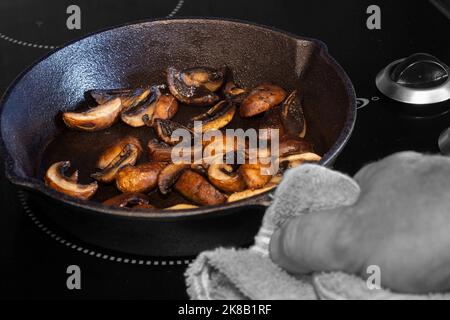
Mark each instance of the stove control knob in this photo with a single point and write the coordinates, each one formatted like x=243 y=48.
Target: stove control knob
x=420 y=70
x=418 y=79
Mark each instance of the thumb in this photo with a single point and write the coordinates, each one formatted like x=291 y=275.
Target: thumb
x=312 y=242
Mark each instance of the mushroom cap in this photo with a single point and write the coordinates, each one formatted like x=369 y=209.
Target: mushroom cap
x=189 y=89
x=56 y=179
x=225 y=179
x=95 y=119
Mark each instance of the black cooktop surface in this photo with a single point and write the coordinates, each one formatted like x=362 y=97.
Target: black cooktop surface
x=34 y=255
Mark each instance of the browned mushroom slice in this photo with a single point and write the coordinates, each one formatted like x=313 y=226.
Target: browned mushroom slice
x=136 y=98
x=292 y=115
x=210 y=112
x=261 y=99
x=169 y=175
x=198 y=190
x=102 y=96
x=208 y=78
x=129 y=97
x=272 y=121
x=56 y=179
x=113 y=151
x=295 y=160
x=128 y=156
x=165 y=128
x=159 y=151
x=156 y=106
x=195 y=86
x=223 y=177
x=249 y=193
x=133 y=116
x=141 y=178
x=182 y=206
x=165 y=108
x=234 y=92
x=126 y=200
x=95 y=119
x=293 y=145
x=218 y=116
x=256 y=175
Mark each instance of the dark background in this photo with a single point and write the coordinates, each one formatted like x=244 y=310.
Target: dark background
x=33 y=265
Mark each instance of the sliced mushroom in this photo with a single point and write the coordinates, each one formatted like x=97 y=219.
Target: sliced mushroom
x=165 y=128
x=156 y=106
x=218 y=116
x=102 y=96
x=195 y=86
x=136 y=98
x=210 y=112
x=56 y=179
x=208 y=78
x=169 y=175
x=292 y=115
x=261 y=99
x=140 y=178
x=294 y=145
x=272 y=121
x=248 y=193
x=95 y=119
x=295 y=160
x=128 y=156
x=165 y=108
x=234 y=92
x=182 y=206
x=256 y=175
x=126 y=200
x=159 y=151
x=133 y=115
x=113 y=151
x=128 y=97
x=197 y=189
x=224 y=178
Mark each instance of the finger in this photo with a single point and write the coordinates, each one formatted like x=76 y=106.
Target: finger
x=312 y=242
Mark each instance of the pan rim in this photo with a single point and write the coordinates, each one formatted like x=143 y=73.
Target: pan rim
x=35 y=184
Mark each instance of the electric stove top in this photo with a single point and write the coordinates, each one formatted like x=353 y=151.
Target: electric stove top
x=34 y=255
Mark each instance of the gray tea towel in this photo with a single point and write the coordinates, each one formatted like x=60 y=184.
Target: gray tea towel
x=250 y=274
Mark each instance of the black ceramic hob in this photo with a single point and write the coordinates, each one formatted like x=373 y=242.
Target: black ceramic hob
x=34 y=255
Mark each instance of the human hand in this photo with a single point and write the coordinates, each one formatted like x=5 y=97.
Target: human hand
x=400 y=223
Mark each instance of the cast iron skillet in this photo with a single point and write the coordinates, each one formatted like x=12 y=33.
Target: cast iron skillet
x=134 y=55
